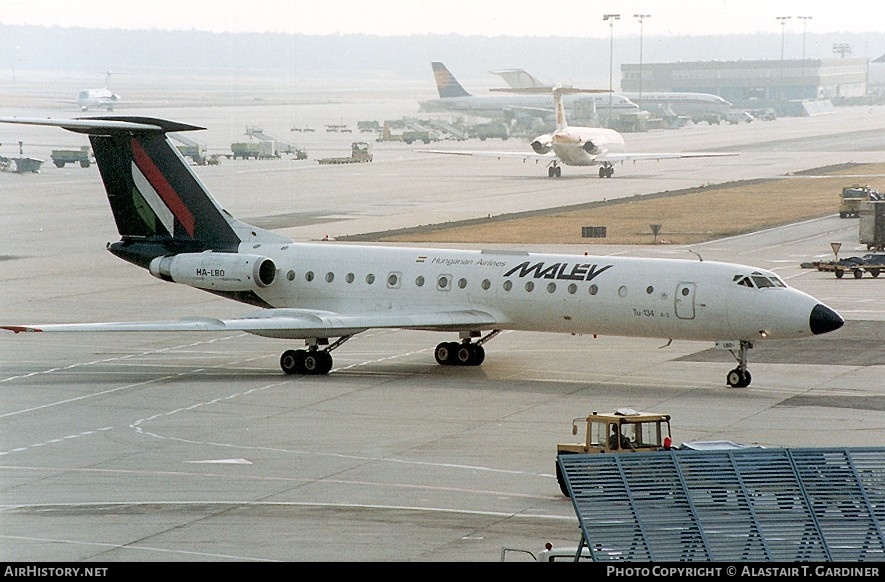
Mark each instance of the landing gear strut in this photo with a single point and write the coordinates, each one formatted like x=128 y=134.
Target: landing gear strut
x=312 y=361
x=465 y=353
x=740 y=377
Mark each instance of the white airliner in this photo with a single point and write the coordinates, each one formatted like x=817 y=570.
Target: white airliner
x=325 y=293
x=577 y=146
x=698 y=106
x=102 y=98
x=454 y=98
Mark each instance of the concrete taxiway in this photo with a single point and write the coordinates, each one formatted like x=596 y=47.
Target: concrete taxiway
x=196 y=447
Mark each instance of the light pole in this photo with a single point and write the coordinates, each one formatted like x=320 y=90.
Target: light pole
x=611 y=45
x=783 y=20
x=640 y=17
x=804 y=20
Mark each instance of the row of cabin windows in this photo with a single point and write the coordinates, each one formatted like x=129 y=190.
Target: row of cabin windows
x=443 y=283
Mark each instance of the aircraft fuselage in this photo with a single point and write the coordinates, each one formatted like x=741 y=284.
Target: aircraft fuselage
x=639 y=297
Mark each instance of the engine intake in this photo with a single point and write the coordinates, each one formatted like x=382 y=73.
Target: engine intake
x=590 y=147
x=216 y=271
x=542 y=144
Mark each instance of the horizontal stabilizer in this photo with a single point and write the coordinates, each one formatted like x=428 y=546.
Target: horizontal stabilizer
x=106 y=125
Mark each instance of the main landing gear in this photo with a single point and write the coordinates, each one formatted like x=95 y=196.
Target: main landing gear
x=465 y=353
x=740 y=377
x=318 y=362
x=606 y=170
x=312 y=361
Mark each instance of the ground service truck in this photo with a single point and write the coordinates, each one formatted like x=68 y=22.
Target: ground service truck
x=359 y=152
x=622 y=431
x=851 y=198
x=871 y=227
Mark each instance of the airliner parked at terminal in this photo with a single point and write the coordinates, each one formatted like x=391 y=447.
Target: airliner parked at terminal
x=325 y=293
x=698 y=106
x=454 y=98
x=577 y=146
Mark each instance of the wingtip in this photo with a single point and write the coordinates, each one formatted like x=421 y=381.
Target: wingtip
x=20 y=328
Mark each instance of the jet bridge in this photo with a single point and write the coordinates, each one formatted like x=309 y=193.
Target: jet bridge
x=751 y=505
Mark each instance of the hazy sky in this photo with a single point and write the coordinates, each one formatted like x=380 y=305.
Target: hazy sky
x=581 y=18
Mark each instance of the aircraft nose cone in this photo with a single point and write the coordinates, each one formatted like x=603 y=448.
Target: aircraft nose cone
x=824 y=320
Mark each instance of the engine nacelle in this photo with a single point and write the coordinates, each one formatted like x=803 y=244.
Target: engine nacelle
x=216 y=271
x=590 y=147
x=542 y=144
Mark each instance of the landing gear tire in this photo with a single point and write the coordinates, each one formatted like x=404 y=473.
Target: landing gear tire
x=445 y=353
x=292 y=361
x=738 y=378
x=303 y=362
x=470 y=355
x=554 y=172
x=455 y=354
x=317 y=363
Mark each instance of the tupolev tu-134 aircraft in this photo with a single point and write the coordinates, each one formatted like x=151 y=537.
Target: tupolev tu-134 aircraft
x=325 y=293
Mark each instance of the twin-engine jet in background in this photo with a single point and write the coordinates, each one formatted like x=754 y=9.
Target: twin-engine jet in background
x=325 y=293
x=102 y=98
x=577 y=146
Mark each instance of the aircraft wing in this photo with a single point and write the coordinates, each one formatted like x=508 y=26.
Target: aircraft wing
x=290 y=323
x=490 y=154
x=632 y=157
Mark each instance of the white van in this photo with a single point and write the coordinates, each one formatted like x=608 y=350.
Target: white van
x=739 y=117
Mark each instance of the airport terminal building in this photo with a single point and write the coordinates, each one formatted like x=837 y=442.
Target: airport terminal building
x=754 y=83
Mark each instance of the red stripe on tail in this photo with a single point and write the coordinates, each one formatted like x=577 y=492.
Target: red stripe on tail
x=156 y=179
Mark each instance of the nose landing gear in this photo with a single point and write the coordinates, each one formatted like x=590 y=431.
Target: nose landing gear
x=740 y=377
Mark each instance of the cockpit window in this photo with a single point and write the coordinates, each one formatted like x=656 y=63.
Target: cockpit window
x=762 y=282
x=759 y=281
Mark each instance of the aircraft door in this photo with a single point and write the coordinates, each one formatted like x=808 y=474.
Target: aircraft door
x=685 y=300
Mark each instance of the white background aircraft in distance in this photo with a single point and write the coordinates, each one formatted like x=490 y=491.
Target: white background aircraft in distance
x=102 y=98
x=577 y=146
x=325 y=293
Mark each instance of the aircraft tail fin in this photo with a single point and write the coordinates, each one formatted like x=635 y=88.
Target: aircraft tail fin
x=520 y=79
x=159 y=205
x=446 y=83
x=559 y=107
